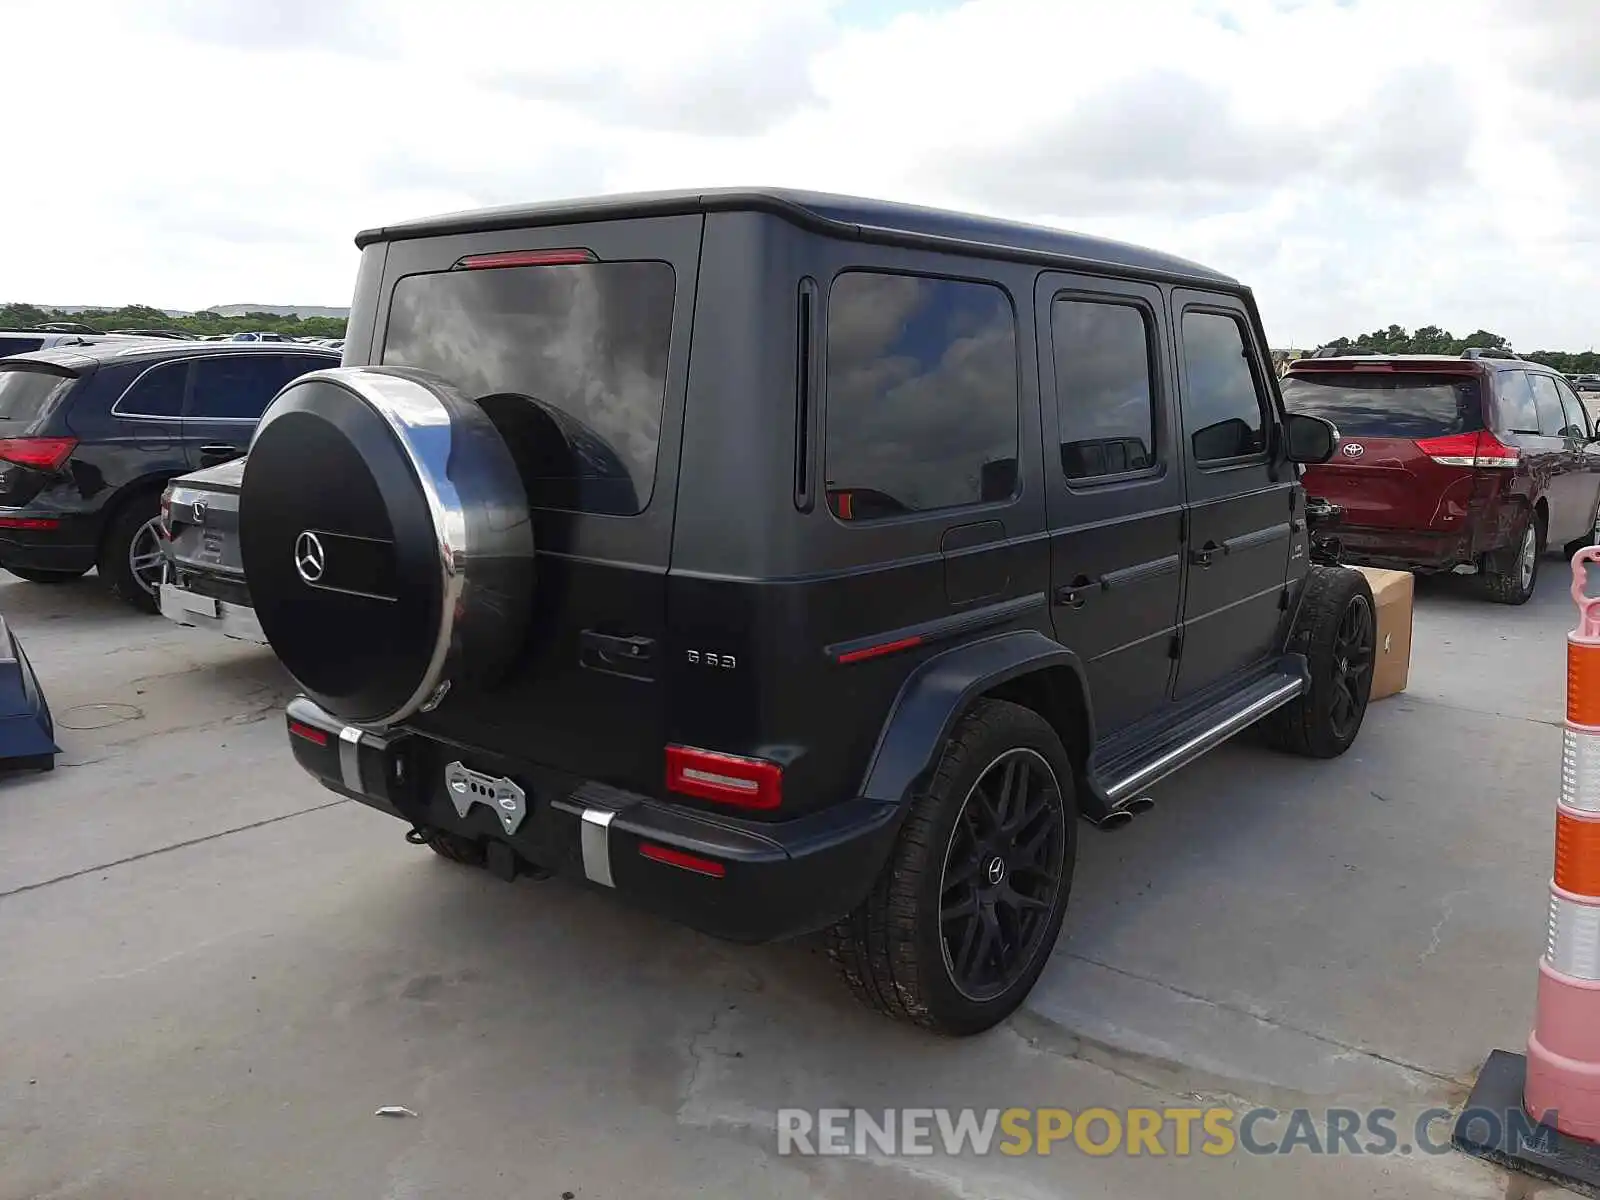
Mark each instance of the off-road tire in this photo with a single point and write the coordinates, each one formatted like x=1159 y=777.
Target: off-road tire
x=889 y=950
x=467 y=851
x=37 y=575
x=1506 y=586
x=113 y=562
x=1306 y=725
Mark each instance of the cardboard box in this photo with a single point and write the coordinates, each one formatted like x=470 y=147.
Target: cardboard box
x=1392 y=593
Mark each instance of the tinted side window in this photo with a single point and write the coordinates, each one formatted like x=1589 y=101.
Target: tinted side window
x=296 y=365
x=1518 y=414
x=157 y=393
x=1577 y=415
x=1102 y=360
x=922 y=395
x=1222 y=410
x=1547 y=402
x=237 y=387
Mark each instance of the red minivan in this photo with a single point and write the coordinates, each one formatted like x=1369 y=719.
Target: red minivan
x=1475 y=463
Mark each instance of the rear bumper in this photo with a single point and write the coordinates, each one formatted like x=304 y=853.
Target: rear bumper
x=204 y=612
x=1404 y=549
x=778 y=880
x=71 y=545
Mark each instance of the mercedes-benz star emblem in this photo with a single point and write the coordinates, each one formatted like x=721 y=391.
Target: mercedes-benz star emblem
x=996 y=872
x=1353 y=450
x=309 y=557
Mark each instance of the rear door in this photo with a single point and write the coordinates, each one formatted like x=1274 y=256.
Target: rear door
x=226 y=396
x=1585 y=452
x=1408 y=440
x=1569 y=494
x=1240 y=502
x=575 y=340
x=1114 y=488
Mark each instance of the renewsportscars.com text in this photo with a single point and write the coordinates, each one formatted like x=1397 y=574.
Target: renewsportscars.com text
x=1177 y=1132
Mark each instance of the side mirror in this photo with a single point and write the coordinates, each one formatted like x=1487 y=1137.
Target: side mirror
x=1309 y=439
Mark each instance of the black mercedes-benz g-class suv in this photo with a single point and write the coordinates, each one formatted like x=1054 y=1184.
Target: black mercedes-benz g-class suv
x=791 y=563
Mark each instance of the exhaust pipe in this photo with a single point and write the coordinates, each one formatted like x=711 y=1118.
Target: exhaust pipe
x=1122 y=817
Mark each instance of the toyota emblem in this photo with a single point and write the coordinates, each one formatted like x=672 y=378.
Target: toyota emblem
x=1352 y=450
x=309 y=557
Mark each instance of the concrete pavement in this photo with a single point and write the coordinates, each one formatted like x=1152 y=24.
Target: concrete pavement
x=212 y=971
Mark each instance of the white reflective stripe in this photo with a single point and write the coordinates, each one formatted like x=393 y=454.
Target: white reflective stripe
x=1573 y=945
x=594 y=839
x=350 y=758
x=1580 y=768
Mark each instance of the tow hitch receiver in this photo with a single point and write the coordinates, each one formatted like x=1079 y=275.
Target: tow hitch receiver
x=468 y=787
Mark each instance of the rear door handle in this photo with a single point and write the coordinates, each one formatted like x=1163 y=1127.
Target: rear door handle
x=1078 y=593
x=1204 y=555
x=615 y=649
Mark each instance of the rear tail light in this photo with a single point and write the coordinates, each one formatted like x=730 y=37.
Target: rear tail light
x=1481 y=449
x=44 y=454
x=725 y=778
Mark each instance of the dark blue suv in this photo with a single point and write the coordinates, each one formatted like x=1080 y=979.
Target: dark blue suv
x=89 y=437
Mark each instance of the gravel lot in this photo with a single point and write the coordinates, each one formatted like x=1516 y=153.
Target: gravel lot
x=212 y=971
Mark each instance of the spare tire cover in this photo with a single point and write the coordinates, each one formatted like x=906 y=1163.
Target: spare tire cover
x=386 y=541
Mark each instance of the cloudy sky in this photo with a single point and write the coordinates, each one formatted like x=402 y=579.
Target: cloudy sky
x=1358 y=162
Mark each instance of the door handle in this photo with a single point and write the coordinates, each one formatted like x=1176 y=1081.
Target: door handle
x=214 y=453
x=1205 y=554
x=616 y=649
x=1077 y=593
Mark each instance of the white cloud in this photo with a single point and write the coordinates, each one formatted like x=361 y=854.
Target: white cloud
x=1356 y=162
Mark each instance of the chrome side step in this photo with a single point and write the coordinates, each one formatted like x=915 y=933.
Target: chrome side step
x=1127 y=776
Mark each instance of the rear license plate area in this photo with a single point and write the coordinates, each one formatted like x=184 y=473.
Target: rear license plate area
x=506 y=799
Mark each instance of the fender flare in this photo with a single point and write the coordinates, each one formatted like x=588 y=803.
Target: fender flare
x=934 y=696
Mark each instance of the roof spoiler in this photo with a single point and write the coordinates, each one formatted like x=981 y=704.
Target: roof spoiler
x=1488 y=352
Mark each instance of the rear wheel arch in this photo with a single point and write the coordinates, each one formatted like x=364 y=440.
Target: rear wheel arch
x=132 y=493
x=1059 y=695
x=1024 y=667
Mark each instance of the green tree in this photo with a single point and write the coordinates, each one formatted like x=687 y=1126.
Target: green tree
x=142 y=316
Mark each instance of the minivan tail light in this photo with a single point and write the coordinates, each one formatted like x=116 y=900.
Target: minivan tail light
x=1481 y=449
x=526 y=258
x=725 y=778
x=44 y=454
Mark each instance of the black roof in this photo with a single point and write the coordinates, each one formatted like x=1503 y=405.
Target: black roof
x=837 y=216
x=141 y=350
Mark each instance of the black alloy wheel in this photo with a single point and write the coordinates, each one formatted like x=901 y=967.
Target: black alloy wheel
x=1354 y=649
x=1004 y=869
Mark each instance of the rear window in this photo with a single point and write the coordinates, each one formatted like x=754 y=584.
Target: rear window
x=573 y=357
x=28 y=393
x=1399 y=405
x=19 y=345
